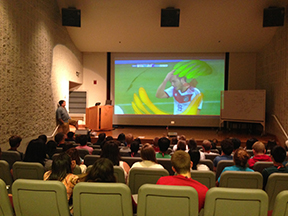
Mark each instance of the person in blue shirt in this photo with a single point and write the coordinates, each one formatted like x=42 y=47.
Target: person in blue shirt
x=240 y=158
x=227 y=149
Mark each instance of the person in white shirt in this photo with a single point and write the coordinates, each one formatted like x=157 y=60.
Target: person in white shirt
x=148 y=158
x=206 y=147
x=195 y=158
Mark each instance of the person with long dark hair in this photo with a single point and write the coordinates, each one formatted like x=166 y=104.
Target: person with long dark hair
x=62 y=171
x=110 y=150
x=195 y=158
x=101 y=171
x=36 y=152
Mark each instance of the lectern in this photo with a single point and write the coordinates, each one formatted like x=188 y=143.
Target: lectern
x=99 y=117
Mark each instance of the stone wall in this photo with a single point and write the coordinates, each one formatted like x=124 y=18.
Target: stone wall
x=29 y=31
x=272 y=75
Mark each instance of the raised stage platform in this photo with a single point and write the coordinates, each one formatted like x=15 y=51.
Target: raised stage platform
x=147 y=133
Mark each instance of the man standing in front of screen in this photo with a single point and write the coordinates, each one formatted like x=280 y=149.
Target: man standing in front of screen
x=63 y=118
x=182 y=92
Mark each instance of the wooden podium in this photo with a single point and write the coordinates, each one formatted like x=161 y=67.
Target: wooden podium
x=99 y=117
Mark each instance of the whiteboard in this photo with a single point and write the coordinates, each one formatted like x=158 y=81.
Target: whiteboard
x=243 y=105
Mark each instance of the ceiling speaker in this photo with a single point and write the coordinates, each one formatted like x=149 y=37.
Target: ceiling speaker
x=71 y=17
x=273 y=16
x=170 y=17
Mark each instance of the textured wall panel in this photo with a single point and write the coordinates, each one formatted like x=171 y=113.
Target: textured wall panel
x=29 y=31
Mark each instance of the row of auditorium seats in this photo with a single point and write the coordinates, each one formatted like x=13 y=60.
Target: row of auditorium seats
x=115 y=199
x=277 y=182
x=12 y=156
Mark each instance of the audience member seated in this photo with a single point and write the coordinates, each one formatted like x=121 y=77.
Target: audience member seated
x=227 y=149
x=50 y=148
x=174 y=141
x=195 y=158
x=108 y=138
x=103 y=171
x=121 y=139
x=270 y=145
x=148 y=158
x=60 y=139
x=206 y=147
x=181 y=165
x=192 y=145
x=110 y=150
x=43 y=137
x=250 y=142
x=67 y=146
x=129 y=139
x=164 y=144
x=14 y=142
x=83 y=144
x=259 y=154
x=101 y=140
x=240 y=160
x=137 y=140
x=278 y=156
x=183 y=138
x=70 y=137
x=126 y=149
x=62 y=171
x=236 y=143
x=76 y=160
x=156 y=145
x=181 y=145
x=214 y=143
x=134 y=149
x=35 y=152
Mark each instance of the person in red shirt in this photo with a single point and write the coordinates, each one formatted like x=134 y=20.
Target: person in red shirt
x=259 y=154
x=181 y=165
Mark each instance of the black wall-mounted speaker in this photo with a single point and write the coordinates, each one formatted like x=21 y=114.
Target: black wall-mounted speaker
x=170 y=17
x=71 y=17
x=273 y=16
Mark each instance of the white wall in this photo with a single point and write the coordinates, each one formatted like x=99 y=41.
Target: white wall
x=94 y=68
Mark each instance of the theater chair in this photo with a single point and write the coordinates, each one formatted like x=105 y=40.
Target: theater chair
x=211 y=156
x=236 y=202
x=166 y=163
x=90 y=159
x=131 y=160
x=139 y=176
x=238 y=179
x=281 y=204
x=83 y=152
x=28 y=170
x=5 y=174
x=96 y=151
x=38 y=197
x=221 y=165
x=204 y=177
x=164 y=200
x=118 y=172
x=260 y=165
x=11 y=157
x=208 y=163
x=5 y=205
x=95 y=198
x=276 y=183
